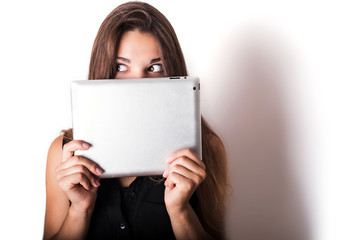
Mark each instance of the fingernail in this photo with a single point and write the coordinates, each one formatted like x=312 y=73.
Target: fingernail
x=164 y=173
x=85 y=145
x=99 y=171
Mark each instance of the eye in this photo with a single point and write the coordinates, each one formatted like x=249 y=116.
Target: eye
x=122 y=68
x=155 y=68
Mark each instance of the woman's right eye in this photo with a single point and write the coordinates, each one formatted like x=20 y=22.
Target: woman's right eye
x=122 y=68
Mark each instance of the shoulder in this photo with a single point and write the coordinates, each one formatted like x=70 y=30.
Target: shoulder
x=54 y=158
x=57 y=145
x=55 y=148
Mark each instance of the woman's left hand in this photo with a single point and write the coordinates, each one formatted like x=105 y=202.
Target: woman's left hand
x=184 y=174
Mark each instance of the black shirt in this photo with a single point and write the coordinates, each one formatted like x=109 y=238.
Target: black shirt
x=134 y=212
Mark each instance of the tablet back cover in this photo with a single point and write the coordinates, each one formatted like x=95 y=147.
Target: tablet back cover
x=134 y=125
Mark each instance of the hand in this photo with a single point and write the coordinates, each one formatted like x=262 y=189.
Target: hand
x=78 y=177
x=184 y=174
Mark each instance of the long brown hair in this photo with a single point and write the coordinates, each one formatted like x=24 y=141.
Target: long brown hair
x=212 y=193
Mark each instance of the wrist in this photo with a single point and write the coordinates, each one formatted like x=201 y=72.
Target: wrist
x=80 y=212
x=179 y=211
x=76 y=224
x=186 y=224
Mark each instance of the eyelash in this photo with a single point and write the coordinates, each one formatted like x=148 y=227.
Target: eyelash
x=118 y=67
x=149 y=69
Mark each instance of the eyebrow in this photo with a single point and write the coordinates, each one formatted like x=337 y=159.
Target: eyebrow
x=124 y=59
x=155 y=60
x=128 y=60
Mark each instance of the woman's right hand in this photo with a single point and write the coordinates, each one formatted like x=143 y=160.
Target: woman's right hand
x=77 y=176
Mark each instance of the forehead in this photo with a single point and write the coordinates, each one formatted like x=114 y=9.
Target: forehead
x=136 y=43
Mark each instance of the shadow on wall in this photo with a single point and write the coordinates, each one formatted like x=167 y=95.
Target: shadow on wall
x=250 y=113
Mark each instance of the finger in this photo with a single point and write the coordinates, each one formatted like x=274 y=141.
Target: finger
x=81 y=160
x=189 y=164
x=70 y=147
x=181 y=182
x=70 y=181
x=187 y=153
x=79 y=169
x=183 y=171
x=169 y=185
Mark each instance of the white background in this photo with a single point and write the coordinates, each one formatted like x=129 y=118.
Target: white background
x=44 y=45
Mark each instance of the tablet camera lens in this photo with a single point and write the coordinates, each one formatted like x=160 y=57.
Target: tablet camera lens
x=194 y=88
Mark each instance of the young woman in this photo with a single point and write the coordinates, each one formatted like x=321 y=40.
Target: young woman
x=187 y=202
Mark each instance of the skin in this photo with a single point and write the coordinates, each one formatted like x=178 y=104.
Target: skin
x=75 y=178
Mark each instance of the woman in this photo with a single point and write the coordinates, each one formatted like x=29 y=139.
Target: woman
x=187 y=202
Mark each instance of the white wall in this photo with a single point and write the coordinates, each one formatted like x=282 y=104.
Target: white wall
x=303 y=102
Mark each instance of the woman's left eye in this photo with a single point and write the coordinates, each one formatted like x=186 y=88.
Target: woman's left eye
x=155 y=68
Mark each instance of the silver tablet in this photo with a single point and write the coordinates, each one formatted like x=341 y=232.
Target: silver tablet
x=133 y=125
